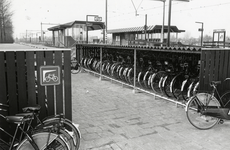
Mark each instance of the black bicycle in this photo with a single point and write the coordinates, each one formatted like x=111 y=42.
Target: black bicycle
x=64 y=133
x=38 y=139
x=204 y=110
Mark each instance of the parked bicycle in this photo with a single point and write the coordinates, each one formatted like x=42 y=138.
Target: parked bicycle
x=54 y=132
x=75 y=66
x=205 y=110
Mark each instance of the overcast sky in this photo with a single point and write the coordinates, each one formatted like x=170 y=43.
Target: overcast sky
x=28 y=14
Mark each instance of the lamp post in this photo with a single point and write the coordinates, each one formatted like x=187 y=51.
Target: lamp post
x=202 y=31
x=106 y=20
x=169 y=19
x=162 y=29
x=96 y=18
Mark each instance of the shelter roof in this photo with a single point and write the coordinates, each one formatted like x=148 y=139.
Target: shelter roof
x=92 y=25
x=150 y=29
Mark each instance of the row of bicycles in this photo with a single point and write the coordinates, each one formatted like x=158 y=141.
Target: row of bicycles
x=28 y=132
x=175 y=76
x=171 y=75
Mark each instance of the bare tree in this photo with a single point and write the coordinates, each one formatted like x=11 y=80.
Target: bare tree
x=6 y=27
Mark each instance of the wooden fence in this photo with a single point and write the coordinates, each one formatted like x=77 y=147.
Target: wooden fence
x=215 y=66
x=20 y=81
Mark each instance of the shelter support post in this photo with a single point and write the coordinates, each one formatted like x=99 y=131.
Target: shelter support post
x=100 y=78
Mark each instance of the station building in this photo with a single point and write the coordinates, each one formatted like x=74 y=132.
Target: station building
x=140 y=36
x=66 y=35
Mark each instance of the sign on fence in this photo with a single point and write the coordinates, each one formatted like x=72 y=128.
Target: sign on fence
x=49 y=75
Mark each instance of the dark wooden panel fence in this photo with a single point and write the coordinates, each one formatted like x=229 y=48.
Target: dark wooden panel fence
x=20 y=82
x=215 y=66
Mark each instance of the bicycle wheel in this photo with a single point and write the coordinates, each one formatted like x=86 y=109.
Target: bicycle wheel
x=75 y=68
x=225 y=98
x=44 y=141
x=145 y=79
x=66 y=125
x=175 y=86
x=194 y=111
x=131 y=76
x=140 y=79
x=60 y=131
x=166 y=85
x=157 y=80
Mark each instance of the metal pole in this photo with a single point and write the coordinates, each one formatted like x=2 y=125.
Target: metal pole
x=169 y=22
x=106 y=19
x=26 y=35
x=145 y=27
x=163 y=24
x=41 y=33
x=202 y=31
x=134 y=70
x=100 y=78
x=87 y=29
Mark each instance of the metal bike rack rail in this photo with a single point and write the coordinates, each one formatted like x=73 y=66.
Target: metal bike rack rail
x=134 y=87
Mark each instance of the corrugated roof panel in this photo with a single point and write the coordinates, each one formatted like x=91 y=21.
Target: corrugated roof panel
x=152 y=28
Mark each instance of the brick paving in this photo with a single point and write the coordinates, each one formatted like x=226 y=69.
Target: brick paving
x=112 y=117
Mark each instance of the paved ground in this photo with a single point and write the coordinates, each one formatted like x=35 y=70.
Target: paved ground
x=112 y=117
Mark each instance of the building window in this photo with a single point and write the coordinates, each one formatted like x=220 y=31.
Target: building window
x=117 y=38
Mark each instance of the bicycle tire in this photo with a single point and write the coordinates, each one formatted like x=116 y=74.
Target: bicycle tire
x=193 y=111
x=76 y=69
x=63 y=132
x=156 y=81
x=85 y=63
x=108 y=69
x=131 y=76
x=68 y=125
x=140 y=79
x=41 y=139
x=184 y=89
x=166 y=85
x=225 y=98
x=98 y=67
x=120 y=73
x=175 y=86
x=94 y=65
x=145 y=79
x=125 y=74
x=151 y=82
x=113 y=68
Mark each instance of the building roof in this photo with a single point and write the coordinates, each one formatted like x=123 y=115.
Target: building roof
x=92 y=25
x=150 y=29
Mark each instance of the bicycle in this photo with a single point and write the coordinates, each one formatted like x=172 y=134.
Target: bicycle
x=57 y=124
x=75 y=66
x=36 y=139
x=204 y=110
x=67 y=127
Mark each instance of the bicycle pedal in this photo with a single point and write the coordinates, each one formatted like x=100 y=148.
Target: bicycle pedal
x=221 y=121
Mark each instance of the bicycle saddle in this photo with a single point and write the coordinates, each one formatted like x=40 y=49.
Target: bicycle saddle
x=215 y=83
x=31 y=109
